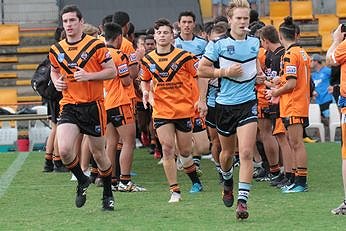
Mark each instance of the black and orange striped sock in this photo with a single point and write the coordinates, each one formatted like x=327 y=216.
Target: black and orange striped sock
x=191 y=172
x=294 y=175
x=48 y=156
x=114 y=181
x=174 y=188
x=302 y=174
x=274 y=169
x=125 y=179
x=57 y=161
x=107 y=181
x=75 y=168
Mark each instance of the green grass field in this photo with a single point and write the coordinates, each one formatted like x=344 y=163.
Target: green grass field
x=39 y=201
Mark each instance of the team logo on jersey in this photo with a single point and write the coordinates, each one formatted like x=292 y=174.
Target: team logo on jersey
x=152 y=68
x=174 y=66
x=123 y=68
x=98 y=129
x=230 y=49
x=291 y=70
x=178 y=46
x=254 y=109
x=61 y=57
x=84 y=55
x=133 y=57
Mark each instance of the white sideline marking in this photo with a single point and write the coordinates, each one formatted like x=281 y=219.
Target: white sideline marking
x=11 y=172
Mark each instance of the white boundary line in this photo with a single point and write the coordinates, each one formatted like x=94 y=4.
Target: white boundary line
x=11 y=172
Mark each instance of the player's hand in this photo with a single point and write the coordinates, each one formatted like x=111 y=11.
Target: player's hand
x=81 y=75
x=145 y=99
x=60 y=83
x=235 y=70
x=202 y=108
x=260 y=78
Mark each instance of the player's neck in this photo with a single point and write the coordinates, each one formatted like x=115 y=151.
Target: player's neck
x=186 y=37
x=238 y=36
x=163 y=49
x=75 y=38
x=274 y=46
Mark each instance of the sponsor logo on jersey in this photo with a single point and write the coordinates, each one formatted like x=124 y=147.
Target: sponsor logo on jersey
x=72 y=48
x=123 y=68
x=291 y=70
x=163 y=74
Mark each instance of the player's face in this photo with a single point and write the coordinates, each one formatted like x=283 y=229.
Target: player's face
x=239 y=21
x=149 y=44
x=186 y=25
x=163 y=36
x=264 y=43
x=72 y=24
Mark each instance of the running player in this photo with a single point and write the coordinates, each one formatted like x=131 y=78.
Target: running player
x=236 y=104
x=172 y=72
x=80 y=63
x=186 y=40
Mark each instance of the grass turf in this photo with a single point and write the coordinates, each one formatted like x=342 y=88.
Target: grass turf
x=45 y=201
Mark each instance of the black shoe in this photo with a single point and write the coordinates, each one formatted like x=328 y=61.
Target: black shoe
x=48 y=166
x=93 y=177
x=108 y=203
x=61 y=169
x=275 y=180
x=81 y=193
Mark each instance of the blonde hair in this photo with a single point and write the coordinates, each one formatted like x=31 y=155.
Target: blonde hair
x=90 y=29
x=237 y=4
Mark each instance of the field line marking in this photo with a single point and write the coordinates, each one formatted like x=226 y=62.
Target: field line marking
x=11 y=172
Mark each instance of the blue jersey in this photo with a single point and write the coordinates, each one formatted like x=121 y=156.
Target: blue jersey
x=196 y=46
x=213 y=89
x=228 y=51
x=321 y=80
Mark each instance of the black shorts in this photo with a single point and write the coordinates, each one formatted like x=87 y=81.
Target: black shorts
x=89 y=117
x=183 y=125
x=229 y=117
x=140 y=107
x=210 y=119
x=295 y=120
x=121 y=115
x=53 y=110
x=198 y=124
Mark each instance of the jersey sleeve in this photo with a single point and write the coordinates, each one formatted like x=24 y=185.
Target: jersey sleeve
x=102 y=54
x=290 y=66
x=340 y=54
x=122 y=65
x=52 y=59
x=211 y=52
x=192 y=65
x=144 y=72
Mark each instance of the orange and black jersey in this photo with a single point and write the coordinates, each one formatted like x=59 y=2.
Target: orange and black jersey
x=173 y=75
x=116 y=94
x=88 y=53
x=295 y=64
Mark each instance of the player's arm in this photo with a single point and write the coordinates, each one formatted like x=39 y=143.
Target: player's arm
x=206 y=69
x=338 y=37
x=58 y=79
x=108 y=72
x=286 y=88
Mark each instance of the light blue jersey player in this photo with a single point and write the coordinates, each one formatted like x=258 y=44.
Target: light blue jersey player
x=196 y=46
x=236 y=104
x=228 y=51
